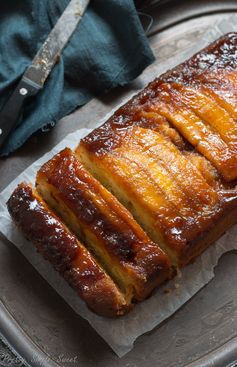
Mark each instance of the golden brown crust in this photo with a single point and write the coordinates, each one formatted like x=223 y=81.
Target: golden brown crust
x=123 y=248
x=67 y=255
x=169 y=154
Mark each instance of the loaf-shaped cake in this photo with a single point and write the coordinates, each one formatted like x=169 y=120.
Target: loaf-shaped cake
x=145 y=193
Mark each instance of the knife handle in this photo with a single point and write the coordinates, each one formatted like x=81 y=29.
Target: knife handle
x=10 y=113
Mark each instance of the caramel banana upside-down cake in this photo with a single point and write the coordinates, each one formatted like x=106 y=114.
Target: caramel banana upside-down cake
x=147 y=192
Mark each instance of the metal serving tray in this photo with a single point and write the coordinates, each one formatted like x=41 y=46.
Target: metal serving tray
x=40 y=326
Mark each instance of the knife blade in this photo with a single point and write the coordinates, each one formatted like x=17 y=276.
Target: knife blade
x=37 y=72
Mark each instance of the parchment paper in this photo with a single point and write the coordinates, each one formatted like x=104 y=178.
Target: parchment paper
x=119 y=333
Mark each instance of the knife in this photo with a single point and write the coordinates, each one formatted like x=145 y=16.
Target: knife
x=36 y=74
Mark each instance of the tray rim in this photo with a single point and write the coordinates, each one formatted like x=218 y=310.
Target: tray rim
x=20 y=343
x=191 y=13
x=24 y=347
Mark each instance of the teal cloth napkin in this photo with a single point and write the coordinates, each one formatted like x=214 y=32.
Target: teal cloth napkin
x=109 y=48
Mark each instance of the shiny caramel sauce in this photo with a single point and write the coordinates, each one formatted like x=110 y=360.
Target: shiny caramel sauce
x=97 y=209
x=169 y=188
x=210 y=129
x=204 y=68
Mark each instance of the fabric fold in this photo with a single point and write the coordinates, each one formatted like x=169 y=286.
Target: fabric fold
x=109 y=48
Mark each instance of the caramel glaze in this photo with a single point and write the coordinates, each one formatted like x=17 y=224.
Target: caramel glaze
x=62 y=249
x=172 y=195
x=189 y=109
x=214 y=71
x=97 y=213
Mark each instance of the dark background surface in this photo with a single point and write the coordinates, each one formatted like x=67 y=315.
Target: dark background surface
x=205 y=323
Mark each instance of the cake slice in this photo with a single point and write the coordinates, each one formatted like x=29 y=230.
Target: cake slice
x=135 y=263
x=67 y=255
